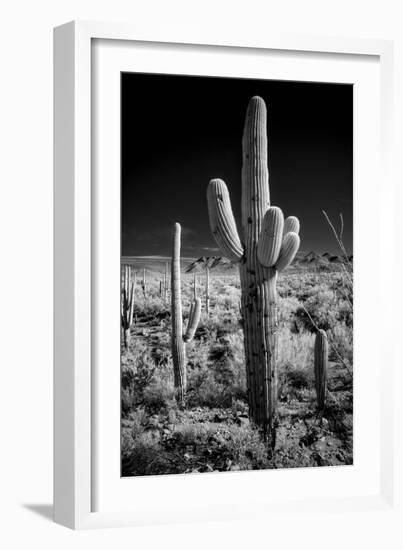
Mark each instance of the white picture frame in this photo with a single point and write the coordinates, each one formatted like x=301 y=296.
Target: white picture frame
x=75 y=392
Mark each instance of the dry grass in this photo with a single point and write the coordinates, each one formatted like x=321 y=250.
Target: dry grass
x=214 y=433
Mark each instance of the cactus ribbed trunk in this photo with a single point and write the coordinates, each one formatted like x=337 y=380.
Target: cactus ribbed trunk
x=178 y=346
x=259 y=297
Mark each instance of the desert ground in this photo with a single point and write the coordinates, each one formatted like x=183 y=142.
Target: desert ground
x=212 y=433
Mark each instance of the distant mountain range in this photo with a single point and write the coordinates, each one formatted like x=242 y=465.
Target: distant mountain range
x=313 y=259
x=217 y=264
x=209 y=261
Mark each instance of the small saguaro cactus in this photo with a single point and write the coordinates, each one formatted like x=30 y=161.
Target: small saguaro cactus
x=178 y=339
x=127 y=304
x=207 y=290
x=267 y=245
x=166 y=282
x=320 y=365
x=144 y=283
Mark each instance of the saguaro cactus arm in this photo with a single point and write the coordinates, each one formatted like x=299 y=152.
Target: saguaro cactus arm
x=271 y=236
x=222 y=221
x=289 y=248
x=194 y=318
x=291 y=224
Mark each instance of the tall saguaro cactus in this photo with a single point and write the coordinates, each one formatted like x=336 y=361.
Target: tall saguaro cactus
x=127 y=304
x=179 y=339
x=320 y=365
x=262 y=250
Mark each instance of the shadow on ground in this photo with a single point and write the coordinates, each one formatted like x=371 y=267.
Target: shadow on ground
x=44 y=510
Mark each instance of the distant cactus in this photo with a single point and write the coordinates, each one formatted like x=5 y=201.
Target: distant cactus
x=166 y=284
x=178 y=338
x=127 y=304
x=321 y=365
x=207 y=263
x=261 y=253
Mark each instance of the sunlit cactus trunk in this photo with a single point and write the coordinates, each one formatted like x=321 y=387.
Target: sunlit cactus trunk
x=264 y=251
x=178 y=346
x=178 y=339
x=259 y=299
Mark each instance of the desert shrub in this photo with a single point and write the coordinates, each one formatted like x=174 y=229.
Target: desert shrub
x=222 y=446
x=245 y=448
x=294 y=383
x=227 y=298
x=136 y=373
x=153 y=309
x=145 y=456
x=239 y=406
x=138 y=421
x=209 y=393
x=159 y=394
x=325 y=311
x=126 y=443
x=299 y=378
x=287 y=309
x=295 y=349
x=190 y=446
x=341 y=340
x=203 y=390
x=216 y=373
x=219 y=324
x=197 y=352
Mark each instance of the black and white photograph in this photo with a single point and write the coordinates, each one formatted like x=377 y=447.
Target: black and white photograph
x=236 y=274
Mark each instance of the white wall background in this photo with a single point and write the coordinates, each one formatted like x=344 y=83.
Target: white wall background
x=26 y=266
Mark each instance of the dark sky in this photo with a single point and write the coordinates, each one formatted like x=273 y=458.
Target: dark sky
x=178 y=132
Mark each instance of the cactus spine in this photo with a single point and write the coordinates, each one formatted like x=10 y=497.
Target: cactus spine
x=320 y=364
x=127 y=304
x=261 y=254
x=178 y=339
